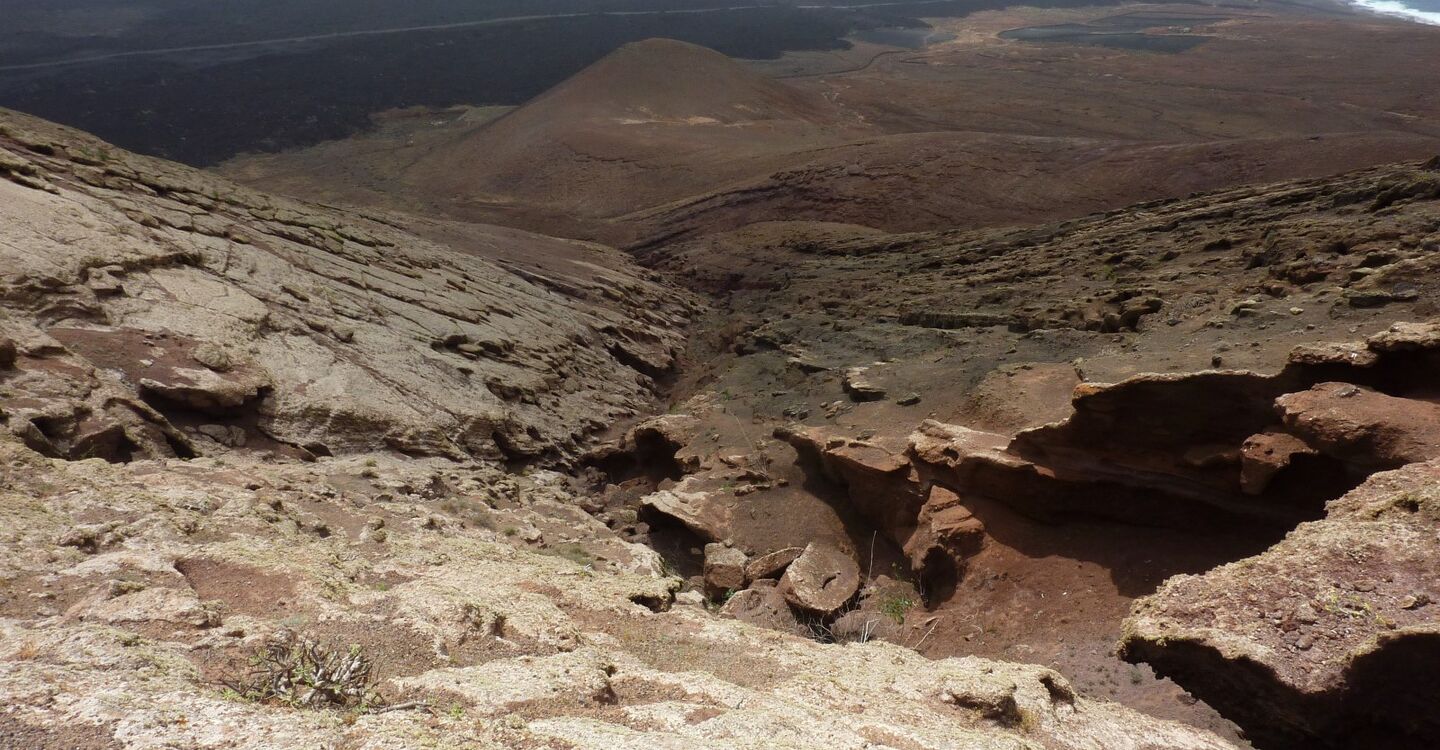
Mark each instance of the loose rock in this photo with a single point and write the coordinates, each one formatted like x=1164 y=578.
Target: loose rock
x=821 y=580
x=771 y=565
x=724 y=569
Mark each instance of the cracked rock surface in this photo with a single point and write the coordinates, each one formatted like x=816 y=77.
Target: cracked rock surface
x=145 y=299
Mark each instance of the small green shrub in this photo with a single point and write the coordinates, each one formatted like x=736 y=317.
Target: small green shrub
x=572 y=552
x=896 y=605
x=301 y=673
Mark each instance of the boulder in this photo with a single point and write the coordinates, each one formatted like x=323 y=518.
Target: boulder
x=1367 y=429
x=703 y=513
x=1265 y=455
x=821 y=580
x=860 y=387
x=8 y=353
x=204 y=390
x=213 y=357
x=724 y=569
x=763 y=604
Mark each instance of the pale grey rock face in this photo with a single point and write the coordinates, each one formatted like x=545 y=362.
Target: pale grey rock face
x=139 y=292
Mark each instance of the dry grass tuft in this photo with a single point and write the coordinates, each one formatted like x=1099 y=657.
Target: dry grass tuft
x=27 y=651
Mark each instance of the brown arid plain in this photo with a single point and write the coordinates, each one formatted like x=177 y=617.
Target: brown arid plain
x=1067 y=382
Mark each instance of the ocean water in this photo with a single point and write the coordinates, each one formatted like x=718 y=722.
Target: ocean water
x=1424 y=11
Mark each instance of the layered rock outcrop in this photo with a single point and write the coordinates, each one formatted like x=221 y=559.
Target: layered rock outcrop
x=1206 y=450
x=1210 y=447
x=1364 y=428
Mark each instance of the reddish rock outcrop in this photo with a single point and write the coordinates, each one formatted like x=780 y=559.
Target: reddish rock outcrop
x=934 y=531
x=878 y=478
x=946 y=534
x=1151 y=449
x=1364 y=428
x=1267 y=454
x=1094 y=486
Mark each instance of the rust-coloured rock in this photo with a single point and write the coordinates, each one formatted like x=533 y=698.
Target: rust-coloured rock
x=1265 y=455
x=821 y=580
x=771 y=565
x=724 y=569
x=1363 y=427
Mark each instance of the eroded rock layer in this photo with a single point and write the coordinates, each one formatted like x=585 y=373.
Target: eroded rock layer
x=1329 y=639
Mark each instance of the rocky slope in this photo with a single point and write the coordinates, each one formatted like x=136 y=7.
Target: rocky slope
x=152 y=310
x=1328 y=639
x=1324 y=640
x=186 y=564
x=899 y=472
x=1106 y=388
x=133 y=594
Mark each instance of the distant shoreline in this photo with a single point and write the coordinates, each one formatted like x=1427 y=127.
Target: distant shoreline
x=1395 y=9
